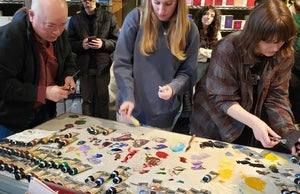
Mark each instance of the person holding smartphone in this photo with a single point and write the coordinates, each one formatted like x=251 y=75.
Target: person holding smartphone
x=93 y=34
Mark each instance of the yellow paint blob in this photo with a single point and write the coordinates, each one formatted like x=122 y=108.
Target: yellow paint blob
x=271 y=157
x=225 y=173
x=226 y=167
x=255 y=183
x=93 y=151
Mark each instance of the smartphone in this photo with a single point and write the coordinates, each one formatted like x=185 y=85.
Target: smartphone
x=91 y=38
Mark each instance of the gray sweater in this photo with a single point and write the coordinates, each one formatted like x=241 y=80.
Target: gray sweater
x=138 y=77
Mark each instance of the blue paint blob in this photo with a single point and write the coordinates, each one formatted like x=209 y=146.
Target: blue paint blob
x=228 y=154
x=160 y=146
x=178 y=148
x=97 y=156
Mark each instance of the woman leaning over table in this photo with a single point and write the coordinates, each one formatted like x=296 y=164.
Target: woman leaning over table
x=155 y=62
x=243 y=97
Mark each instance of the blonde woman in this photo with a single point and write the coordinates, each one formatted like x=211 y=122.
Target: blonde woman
x=155 y=62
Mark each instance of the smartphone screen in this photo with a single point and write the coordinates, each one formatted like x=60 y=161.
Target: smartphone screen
x=91 y=38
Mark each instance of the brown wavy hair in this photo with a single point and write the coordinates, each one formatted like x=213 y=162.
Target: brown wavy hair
x=213 y=28
x=177 y=32
x=268 y=20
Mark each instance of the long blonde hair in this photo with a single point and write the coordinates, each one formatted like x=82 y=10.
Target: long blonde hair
x=177 y=32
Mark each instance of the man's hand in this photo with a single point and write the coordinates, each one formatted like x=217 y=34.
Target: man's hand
x=70 y=83
x=56 y=93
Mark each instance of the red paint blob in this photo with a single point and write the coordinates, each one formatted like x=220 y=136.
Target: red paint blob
x=161 y=154
x=183 y=159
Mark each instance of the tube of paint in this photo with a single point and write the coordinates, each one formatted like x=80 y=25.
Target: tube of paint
x=297 y=181
x=95 y=130
x=70 y=135
x=32 y=143
x=117 y=188
x=65 y=142
x=65 y=168
x=42 y=164
x=92 y=177
x=208 y=177
x=117 y=172
x=102 y=178
x=92 y=190
x=285 y=191
x=79 y=168
x=155 y=185
x=294 y=159
x=23 y=173
x=108 y=131
x=292 y=177
x=92 y=131
x=120 y=178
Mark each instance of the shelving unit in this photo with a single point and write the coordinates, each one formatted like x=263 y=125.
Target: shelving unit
x=8 y=8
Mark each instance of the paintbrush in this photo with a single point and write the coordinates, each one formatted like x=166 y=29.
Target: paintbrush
x=134 y=121
x=189 y=144
x=283 y=141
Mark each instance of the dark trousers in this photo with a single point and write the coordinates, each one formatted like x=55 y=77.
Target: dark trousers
x=95 y=96
x=41 y=114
